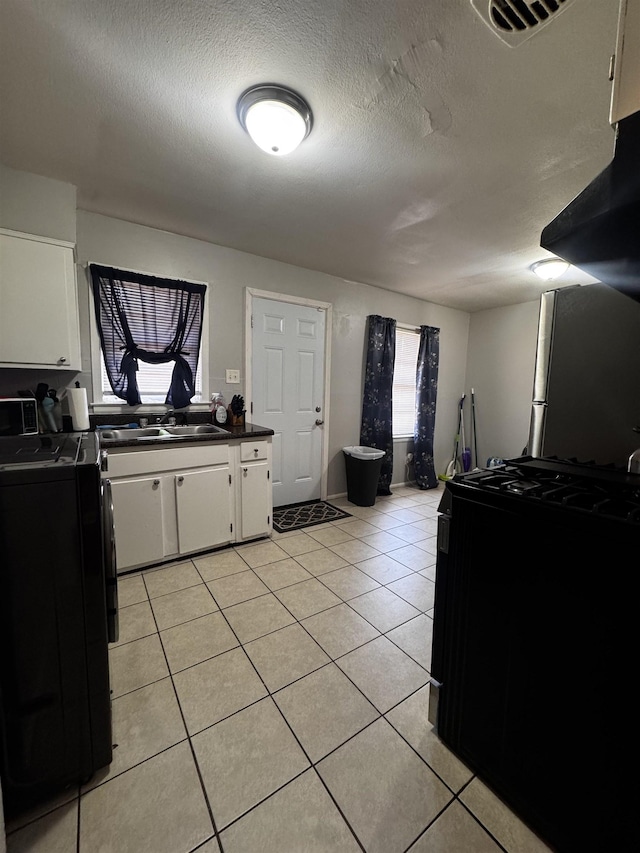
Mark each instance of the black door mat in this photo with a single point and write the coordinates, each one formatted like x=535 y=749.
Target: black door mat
x=296 y=516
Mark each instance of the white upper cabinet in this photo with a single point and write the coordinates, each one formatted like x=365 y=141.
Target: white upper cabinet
x=38 y=303
x=625 y=99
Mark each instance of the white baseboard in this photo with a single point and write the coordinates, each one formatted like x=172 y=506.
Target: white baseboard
x=392 y=486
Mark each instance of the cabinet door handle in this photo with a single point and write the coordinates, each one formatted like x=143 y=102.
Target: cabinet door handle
x=62 y=359
x=319 y=422
x=181 y=479
x=156 y=482
x=245 y=470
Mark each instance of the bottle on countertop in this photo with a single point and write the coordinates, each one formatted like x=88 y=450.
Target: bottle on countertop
x=218 y=410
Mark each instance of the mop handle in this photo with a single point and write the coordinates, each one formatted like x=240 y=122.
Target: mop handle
x=475 y=435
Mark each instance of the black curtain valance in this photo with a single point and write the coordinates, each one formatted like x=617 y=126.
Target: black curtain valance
x=153 y=319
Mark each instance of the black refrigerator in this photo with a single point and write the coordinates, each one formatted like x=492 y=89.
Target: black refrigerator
x=58 y=612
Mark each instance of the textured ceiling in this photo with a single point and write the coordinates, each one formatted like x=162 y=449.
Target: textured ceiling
x=437 y=155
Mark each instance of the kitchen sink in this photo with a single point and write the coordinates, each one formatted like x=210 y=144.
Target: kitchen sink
x=165 y=432
x=196 y=429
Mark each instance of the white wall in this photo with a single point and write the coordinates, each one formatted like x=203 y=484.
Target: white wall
x=114 y=242
x=501 y=360
x=37 y=205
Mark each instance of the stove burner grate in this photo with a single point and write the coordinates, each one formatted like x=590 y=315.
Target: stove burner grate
x=586 y=488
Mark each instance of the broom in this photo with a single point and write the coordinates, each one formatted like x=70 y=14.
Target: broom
x=465 y=456
x=473 y=429
x=454 y=465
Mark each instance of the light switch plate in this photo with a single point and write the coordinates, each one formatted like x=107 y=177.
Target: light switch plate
x=233 y=377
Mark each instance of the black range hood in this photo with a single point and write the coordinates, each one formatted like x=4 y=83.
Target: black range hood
x=599 y=231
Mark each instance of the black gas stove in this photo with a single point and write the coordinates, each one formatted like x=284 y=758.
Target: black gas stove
x=605 y=491
x=533 y=612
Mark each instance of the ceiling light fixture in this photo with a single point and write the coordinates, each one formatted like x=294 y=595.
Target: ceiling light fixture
x=550 y=268
x=277 y=119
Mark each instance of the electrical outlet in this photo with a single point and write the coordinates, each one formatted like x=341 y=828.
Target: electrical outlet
x=233 y=377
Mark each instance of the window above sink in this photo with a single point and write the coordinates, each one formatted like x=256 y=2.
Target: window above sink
x=153 y=379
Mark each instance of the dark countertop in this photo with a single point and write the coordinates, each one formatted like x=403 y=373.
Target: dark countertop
x=248 y=431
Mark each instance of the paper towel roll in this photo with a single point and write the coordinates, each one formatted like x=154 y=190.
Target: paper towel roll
x=78 y=408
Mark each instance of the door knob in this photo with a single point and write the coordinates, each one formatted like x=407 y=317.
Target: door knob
x=319 y=422
x=318 y=408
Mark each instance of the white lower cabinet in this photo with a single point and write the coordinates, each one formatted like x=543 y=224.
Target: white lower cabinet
x=203 y=512
x=137 y=518
x=254 y=504
x=174 y=501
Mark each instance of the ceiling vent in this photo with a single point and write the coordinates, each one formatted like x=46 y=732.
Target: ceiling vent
x=514 y=21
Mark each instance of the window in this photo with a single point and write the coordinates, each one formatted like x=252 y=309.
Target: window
x=404 y=382
x=151 y=338
x=153 y=381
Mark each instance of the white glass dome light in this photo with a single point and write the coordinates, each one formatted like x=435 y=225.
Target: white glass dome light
x=277 y=119
x=550 y=268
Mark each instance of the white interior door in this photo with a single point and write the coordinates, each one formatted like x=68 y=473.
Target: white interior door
x=288 y=376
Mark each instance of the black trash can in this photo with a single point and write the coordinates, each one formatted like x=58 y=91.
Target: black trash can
x=363 y=466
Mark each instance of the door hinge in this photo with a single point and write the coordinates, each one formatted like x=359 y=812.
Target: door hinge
x=231 y=528
x=268 y=519
x=252 y=321
x=229 y=479
x=252 y=407
x=268 y=475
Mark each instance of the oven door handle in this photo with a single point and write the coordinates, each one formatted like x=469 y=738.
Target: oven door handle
x=110 y=565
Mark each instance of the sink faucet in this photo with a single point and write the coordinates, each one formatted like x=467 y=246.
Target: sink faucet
x=167 y=418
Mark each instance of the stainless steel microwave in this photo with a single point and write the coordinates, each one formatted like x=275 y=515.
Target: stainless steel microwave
x=18 y=416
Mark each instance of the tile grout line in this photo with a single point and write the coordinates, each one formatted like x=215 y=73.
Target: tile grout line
x=270 y=696
x=186 y=728
x=362 y=594
x=187 y=737
x=304 y=751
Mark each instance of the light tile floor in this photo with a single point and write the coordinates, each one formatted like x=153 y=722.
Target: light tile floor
x=272 y=698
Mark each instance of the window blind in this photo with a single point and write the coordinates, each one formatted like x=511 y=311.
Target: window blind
x=143 y=319
x=153 y=381
x=404 y=382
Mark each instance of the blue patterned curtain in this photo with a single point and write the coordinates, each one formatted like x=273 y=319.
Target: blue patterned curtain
x=426 y=392
x=376 y=429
